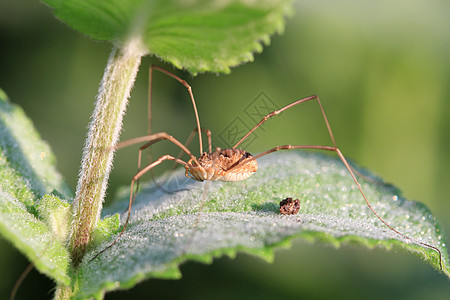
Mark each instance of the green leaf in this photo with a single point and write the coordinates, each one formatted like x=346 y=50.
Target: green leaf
x=27 y=172
x=27 y=163
x=209 y=219
x=106 y=227
x=195 y=35
x=56 y=214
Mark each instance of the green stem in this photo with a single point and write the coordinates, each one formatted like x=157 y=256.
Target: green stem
x=103 y=134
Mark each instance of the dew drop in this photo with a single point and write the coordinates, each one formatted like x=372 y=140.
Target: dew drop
x=395 y=198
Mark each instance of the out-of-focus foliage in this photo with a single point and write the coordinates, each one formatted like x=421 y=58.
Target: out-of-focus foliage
x=197 y=36
x=27 y=173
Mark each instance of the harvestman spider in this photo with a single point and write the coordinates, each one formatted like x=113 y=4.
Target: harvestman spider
x=227 y=164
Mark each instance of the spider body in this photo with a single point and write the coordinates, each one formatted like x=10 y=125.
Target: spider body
x=222 y=165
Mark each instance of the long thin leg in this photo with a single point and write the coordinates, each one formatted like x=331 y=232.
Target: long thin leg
x=151 y=139
x=327 y=148
x=154 y=138
x=149 y=113
x=183 y=149
x=19 y=280
x=191 y=95
x=324 y=117
x=191 y=136
x=186 y=144
x=344 y=161
x=276 y=112
x=136 y=177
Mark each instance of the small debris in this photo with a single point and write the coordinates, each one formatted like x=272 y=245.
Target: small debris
x=289 y=206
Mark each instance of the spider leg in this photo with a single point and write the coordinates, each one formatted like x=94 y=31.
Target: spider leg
x=136 y=177
x=344 y=161
x=276 y=112
x=191 y=136
x=186 y=144
x=20 y=280
x=149 y=116
x=191 y=95
x=327 y=148
x=150 y=140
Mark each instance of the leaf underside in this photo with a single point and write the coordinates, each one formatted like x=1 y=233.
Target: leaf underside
x=27 y=173
x=195 y=35
x=209 y=219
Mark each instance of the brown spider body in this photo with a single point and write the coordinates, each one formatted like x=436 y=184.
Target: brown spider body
x=222 y=165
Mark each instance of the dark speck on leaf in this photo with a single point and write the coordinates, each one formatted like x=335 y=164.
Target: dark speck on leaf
x=289 y=206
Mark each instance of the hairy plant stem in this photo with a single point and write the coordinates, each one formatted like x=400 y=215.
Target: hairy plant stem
x=103 y=134
x=63 y=292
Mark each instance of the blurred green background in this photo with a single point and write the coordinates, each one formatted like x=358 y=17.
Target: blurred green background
x=381 y=69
